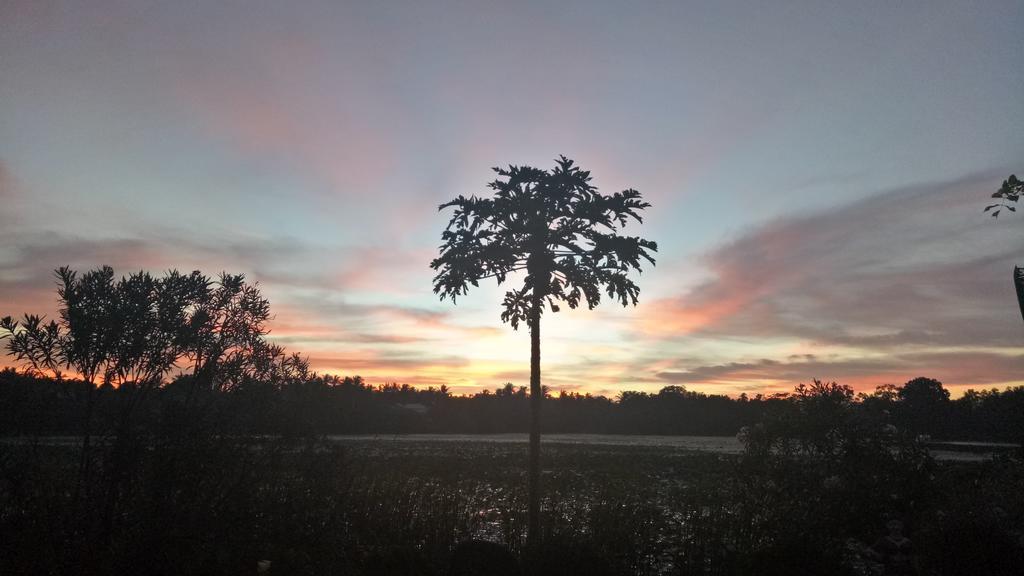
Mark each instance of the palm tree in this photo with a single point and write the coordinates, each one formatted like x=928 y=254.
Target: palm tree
x=1008 y=195
x=558 y=229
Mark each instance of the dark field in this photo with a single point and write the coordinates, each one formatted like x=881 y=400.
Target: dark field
x=358 y=506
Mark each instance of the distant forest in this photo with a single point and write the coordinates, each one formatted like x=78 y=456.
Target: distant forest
x=314 y=404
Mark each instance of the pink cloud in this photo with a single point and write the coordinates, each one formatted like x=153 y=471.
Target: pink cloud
x=921 y=264
x=279 y=108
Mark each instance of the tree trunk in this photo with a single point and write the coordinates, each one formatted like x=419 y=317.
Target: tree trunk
x=85 y=459
x=536 y=395
x=1018 y=281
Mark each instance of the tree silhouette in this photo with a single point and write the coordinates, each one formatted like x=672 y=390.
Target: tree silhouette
x=131 y=332
x=557 y=228
x=924 y=402
x=1008 y=195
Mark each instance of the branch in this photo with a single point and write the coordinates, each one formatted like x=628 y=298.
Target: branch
x=502 y=273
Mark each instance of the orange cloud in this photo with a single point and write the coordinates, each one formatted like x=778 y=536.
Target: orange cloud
x=673 y=317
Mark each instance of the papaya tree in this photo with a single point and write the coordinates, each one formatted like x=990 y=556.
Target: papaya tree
x=554 y=236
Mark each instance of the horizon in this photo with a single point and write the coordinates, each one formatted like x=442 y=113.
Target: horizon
x=817 y=182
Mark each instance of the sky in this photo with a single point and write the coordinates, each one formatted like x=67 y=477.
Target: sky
x=817 y=172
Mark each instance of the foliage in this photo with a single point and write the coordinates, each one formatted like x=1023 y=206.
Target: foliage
x=825 y=471
x=33 y=343
x=136 y=329
x=1007 y=195
x=555 y=226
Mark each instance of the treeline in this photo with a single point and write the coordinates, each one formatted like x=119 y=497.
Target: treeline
x=316 y=404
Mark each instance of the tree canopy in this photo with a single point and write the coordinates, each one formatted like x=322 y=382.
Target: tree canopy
x=555 y=226
x=136 y=329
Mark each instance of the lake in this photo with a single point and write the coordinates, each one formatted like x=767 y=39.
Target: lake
x=960 y=451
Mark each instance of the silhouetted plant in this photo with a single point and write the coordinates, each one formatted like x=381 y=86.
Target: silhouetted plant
x=806 y=463
x=924 y=404
x=128 y=334
x=1018 y=282
x=33 y=343
x=226 y=326
x=557 y=228
x=1008 y=195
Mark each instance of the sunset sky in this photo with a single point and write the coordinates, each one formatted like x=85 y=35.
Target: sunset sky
x=817 y=173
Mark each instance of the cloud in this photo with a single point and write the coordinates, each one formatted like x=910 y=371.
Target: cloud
x=10 y=196
x=919 y=266
x=913 y=281
x=27 y=263
x=6 y=182
x=955 y=369
x=29 y=257
x=909 y=282
x=285 y=97
x=711 y=373
x=383 y=268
